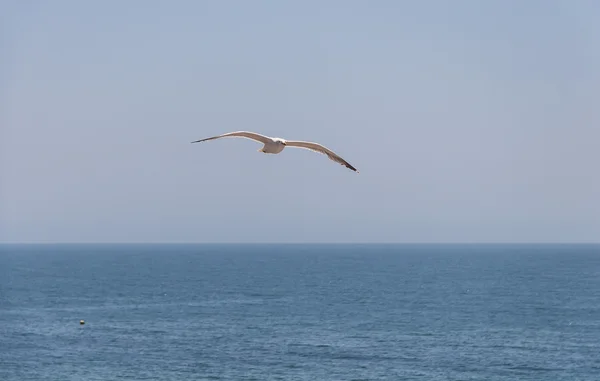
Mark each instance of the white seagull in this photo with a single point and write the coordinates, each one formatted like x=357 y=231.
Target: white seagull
x=276 y=145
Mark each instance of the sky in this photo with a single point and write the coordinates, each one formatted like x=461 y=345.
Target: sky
x=469 y=121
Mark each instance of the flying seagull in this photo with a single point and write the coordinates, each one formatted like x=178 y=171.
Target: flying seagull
x=276 y=145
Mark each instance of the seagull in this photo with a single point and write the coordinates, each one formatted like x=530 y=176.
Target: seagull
x=276 y=145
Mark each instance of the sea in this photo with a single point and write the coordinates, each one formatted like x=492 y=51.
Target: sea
x=299 y=312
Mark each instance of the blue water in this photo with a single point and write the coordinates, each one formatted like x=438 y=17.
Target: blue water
x=300 y=312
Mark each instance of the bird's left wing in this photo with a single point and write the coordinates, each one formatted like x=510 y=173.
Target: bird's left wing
x=240 y=134
x=321 y=149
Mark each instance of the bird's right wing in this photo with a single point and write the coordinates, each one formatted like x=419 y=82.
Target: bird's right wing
x=320 y=149
x=240 y=134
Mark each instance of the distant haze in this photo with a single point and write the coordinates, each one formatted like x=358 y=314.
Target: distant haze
x=469 y=121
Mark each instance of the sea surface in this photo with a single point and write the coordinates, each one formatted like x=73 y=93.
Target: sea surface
x=300 y=312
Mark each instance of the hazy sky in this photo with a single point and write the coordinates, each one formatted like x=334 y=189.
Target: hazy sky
x=469 y=121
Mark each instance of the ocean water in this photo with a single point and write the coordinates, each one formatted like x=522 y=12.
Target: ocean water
x=300 y=312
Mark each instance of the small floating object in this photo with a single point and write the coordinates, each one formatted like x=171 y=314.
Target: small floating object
x=82 y=322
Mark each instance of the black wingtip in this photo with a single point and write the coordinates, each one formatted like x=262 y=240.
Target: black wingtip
x=352 y=168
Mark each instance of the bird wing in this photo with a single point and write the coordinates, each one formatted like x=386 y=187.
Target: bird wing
x=240 y=134
x=321 y=149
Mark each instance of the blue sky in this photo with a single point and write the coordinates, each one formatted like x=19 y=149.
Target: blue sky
x=469 y=121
